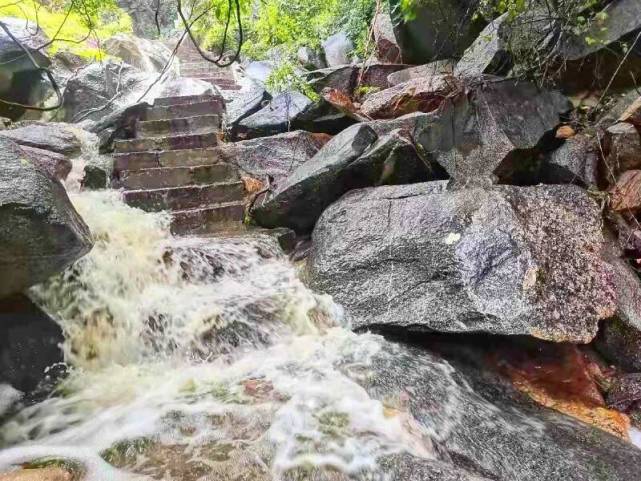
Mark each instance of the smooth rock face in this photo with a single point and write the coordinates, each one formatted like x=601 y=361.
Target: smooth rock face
x=40 y=232
x=337 y=49
x=355 y=158
x=90 y=92
x=29 y=343
x=143 y=16
x=147 y=55
x=488 y=131
x=440 y=67
x=480 y=428
x=416 y=95
x=276 y=116
x=19 y=79
x=275 y=156
x=503 y=260
x=54 y=136
x=440 y=29
x=249 y=101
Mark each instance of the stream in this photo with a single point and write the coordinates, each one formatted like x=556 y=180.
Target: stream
x=199 y=356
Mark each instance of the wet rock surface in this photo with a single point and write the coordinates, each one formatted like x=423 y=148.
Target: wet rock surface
x=275 y=117
x=503 y=260
x=40 y=232
x=55 y=137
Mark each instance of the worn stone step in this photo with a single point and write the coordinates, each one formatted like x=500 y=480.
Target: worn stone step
x=162 y=177
x=178 y=142
x=186 y=197
x=184 y=99
x=191 y=109
x=189 y=125
x=170 y=158
x=220 y=83
x=207 y=220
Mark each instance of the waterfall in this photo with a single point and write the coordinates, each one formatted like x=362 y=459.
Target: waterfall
x=192 y=356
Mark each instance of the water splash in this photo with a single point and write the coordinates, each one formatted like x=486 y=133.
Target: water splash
x=199 y=355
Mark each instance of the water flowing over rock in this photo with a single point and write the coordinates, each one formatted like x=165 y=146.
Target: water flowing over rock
x=20 y=80
x=150 y=16
x=503 y=260
x=40 y=232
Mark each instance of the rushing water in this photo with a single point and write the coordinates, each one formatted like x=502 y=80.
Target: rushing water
x=199 y=359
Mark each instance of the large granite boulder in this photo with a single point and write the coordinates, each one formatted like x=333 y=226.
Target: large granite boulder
x=337 y=49
x=576 y=161
x=490 y=52
x=492 y=129
x=40 y=232
x=146 y=55
x=416 y=95
x=53 y=136
x=438 y=29
x=103 y=88
x=250 y=99
x=355 y=158
x=502 y=260
x=20 y=80
x=602 y=49
x=275 y=156
x=29 y=343
x=385 y=44
x=276 y=117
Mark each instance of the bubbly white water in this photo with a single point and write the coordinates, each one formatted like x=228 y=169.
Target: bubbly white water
x=200 y=359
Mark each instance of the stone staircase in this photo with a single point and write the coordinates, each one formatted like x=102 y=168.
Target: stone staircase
x=170 y=166
x=192 y=65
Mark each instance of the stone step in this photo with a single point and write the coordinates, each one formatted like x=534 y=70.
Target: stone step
x=179 y=142
x=227 y=83
x=189 y=125
x=171 y=158
x=164 y=177
x=207 y=220
x=209 y=107
x=185 y=99
x=185 y=198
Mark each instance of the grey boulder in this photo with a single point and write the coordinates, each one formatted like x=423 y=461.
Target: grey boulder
x=337 y=49
x=40 y=232
x=440 y=67
x=144 y=54
x=492 y=130
x=355 y=158
x=310 y=58
x=490 y=52
x=276 y=117
x=502 y=260
x=56 y=137
x=576 y=161
x=20 y=80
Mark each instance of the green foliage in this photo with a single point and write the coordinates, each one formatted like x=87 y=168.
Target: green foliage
x=284 y=78
x=102 y=18
x=286 y=24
